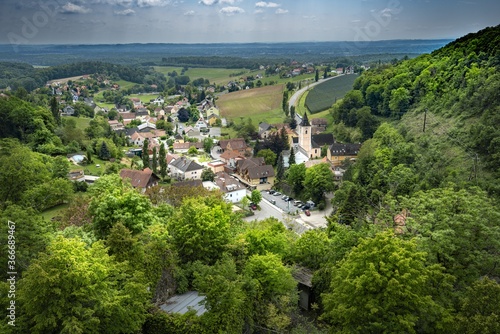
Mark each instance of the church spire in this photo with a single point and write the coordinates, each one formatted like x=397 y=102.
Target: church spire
x=305 y=120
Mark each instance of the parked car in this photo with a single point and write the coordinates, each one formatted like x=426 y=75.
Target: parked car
x=253 y=206
x=306 y=207
x=271 y=192
x=285 y=197
x=289 y=199
x=307 y=212
x=277 y=193
x=273 y=201
x=297 y=203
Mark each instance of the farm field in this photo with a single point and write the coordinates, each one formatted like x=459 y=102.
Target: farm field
x=219 y=76
x=145 y=98
x=324 y=95
x=260 y=104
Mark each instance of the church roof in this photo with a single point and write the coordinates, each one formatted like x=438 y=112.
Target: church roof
x=305 y=120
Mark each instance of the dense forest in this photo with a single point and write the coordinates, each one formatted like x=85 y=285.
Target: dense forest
x=15 y=75
x=412 y=246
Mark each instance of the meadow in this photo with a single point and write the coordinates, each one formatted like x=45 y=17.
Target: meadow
x=324 y=95
x=260 y=104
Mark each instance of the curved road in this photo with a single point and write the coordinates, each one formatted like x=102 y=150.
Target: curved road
x=296 y=96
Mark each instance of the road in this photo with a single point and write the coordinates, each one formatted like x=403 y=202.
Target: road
x=296 y=96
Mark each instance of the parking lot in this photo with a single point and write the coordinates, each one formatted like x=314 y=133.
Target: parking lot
x=278 y=201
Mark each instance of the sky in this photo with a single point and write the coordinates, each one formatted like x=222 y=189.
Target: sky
x=240 y=21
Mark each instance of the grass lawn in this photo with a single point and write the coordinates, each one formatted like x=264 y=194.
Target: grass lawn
x=324 y=95
x=54 y=211
x=126 y=84
x=260 y=104
x=145 y=98
x=92 y=169
x=81 y=122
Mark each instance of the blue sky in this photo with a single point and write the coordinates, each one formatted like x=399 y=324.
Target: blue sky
x=208 y=21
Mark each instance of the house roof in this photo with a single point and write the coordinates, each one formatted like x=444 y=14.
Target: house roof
x=260 y=171
x=190 y=183
x=127 y=115
x=249 y=163
x=185 y=165
x=183 y=303
x=227 y=155
x=227 y=183
x=322 y=139
x=236 y=144
x=319 y=121
x=303 y=275
x=171 y=157
x=138 y=178
x=344 y=149
x=186 y=146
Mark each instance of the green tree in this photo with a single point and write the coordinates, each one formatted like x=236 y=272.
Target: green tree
x=192 y=150
x=268 y=236
x=280 y=169
x=200 y=229
x=318 y=181
x=479 y=311
x=226 y=301
x=21 y=170
x=32 y=234
x=291 y=160
x=155 y=161
x=72 y=288
x=207 y=175
x=145 y=153
x=312 y=249
x=163 y=161
x=384 y=286
x=49 y=194
x=316 y=76
x=296 y=175
x=104 y=151
x=60 y=167
x=268 y=155
x=208 y=143
x=256 y=196
x=54 y=108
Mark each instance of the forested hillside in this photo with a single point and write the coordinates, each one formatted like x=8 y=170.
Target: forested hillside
x=412 y=245
x=15 y=75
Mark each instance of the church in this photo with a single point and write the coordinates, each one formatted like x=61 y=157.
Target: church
x=306 y=145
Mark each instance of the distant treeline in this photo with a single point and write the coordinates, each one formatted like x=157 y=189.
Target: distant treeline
x=218 y=62
x=15 y=75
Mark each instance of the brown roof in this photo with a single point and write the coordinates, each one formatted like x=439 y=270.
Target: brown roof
x=171 y=157
x=127 y=115
x=235 y=144
x=260 y=171
x=249 y=163
x=138 y=178
x=186 y=146
x=319 y=121
x=230 y=155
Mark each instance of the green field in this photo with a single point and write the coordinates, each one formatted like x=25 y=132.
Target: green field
x=219 y=76
x=126 y=84
x=324 y=95
x=145 y=98
x=260 y=104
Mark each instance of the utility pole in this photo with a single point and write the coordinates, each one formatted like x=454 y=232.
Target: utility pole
x=425 y=118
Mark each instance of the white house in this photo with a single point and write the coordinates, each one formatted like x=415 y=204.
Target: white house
x=232 y=189
x=185 y=169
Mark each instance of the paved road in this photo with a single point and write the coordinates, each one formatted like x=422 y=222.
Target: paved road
x=296 y=96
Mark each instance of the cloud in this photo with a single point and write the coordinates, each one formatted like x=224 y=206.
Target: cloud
x=263 y=4
x=259 y=11
x=208 y=2
x=189 y=13
x=71 y=8
x=152 y=3
x=231 y=10
x=228 y=2
x=125 y=12
x=281 y=11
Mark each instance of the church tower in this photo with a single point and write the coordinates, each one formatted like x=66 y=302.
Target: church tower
x=305 y=134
